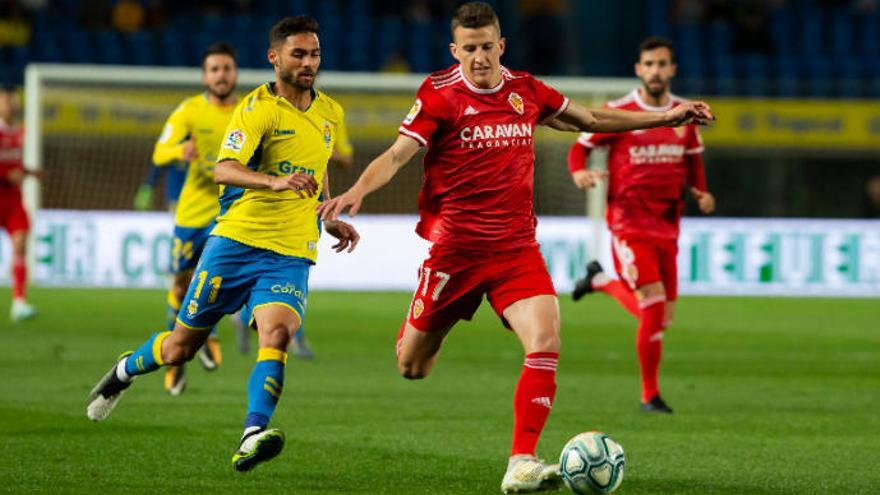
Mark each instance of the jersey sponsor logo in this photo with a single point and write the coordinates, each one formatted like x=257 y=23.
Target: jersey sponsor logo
x=287 y=288
x=167 y=131
x=516 y=102
x=496 y=136
x=235 y=140
x=286 y=167
x=192 y=308
x=413 y=112
x=470 y=111
x=656 y=153
x=284 y=132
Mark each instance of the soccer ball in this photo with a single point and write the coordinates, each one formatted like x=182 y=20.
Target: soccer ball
x=592 y=463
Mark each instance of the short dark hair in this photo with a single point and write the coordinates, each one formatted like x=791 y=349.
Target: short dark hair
x=653 y=43
x=290 y=26
x=473 y=15
x=219 y=48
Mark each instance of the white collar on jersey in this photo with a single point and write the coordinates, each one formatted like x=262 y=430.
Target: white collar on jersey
x=651 y=108
x=483 y=91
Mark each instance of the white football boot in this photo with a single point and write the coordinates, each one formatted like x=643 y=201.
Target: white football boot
x=527 y=473
x=256 y=447
x=103 y=398
x=21 y=311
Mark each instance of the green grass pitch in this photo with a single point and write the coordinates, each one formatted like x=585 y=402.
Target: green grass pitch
x=776 y=396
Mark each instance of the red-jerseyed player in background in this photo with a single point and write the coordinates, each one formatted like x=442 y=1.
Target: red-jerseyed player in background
x=13 y=217
x=648 y=174
x=477 y=120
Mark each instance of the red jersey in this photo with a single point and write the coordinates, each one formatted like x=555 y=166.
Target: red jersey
x=480 y=161
x=649 y=170
x=11 y=143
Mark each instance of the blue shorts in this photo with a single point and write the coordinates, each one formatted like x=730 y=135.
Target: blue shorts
x=232 y=275
x=187 y=247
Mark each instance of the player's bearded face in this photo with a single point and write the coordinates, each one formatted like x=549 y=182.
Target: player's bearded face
x=656 y=68
x=220 y=75
x=479 y=52
x=297 y=60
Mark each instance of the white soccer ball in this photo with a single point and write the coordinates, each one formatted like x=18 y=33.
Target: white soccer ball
x=592 y=463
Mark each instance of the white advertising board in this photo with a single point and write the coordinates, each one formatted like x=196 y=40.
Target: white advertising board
x=716 y=256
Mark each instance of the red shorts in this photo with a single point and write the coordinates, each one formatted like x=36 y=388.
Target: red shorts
x=452 y=283
x=644 y=261
x=13 y=217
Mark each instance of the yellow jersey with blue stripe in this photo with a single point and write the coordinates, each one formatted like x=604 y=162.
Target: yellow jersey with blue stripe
x=270 y=135
x=204 y=122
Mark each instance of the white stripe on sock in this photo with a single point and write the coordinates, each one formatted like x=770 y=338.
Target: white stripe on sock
x=120 y=370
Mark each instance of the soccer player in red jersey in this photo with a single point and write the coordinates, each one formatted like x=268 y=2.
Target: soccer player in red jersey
x=13 y=217
x=648 y=171
x=477 y=120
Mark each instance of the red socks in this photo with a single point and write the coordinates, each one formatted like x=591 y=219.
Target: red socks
x=19 y=277
x=624 y=296
x=649 y=343
x=532 y=400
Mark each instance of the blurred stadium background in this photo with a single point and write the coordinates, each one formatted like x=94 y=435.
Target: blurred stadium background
x=794 y=83
x=773 y=394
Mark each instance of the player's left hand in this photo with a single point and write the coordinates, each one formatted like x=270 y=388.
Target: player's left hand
x=692 y=112
x=704 y=199
x=345 y=232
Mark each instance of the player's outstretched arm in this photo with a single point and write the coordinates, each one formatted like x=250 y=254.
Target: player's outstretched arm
x=378 y=173
x=615 y=120
x=232 y=173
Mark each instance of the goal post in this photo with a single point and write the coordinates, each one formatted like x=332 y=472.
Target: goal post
x=91 y=129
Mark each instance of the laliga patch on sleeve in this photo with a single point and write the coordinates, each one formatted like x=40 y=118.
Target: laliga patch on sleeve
x=235 y=140
x=413 y=112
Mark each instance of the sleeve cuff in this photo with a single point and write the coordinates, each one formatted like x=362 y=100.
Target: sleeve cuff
x=562 y=108
x=412 y=134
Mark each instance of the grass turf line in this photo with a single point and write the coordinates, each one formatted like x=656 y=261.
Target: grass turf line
x=773 y=396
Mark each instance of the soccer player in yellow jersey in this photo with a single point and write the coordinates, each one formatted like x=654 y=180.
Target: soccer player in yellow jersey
x=272 y=167
x=193 y=134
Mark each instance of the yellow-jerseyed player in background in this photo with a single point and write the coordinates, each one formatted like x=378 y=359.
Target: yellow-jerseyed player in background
x=193 y=134
x=272 y=166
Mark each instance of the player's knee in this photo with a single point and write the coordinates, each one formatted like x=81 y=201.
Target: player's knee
x=277 y=335
x=652 y=290
x=544 y=342
x=19 y=244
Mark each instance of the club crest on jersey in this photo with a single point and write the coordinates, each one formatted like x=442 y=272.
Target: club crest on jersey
x=418 y=308
x=413 y=112
x=680 y=131
x=516 y=102
x=328 y=137
x=235 y=140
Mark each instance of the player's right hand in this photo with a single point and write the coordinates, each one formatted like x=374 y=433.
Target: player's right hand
x=692 y=112
x=190 y=152
x=304 y=185
x=331 y=209
x=586 y=179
